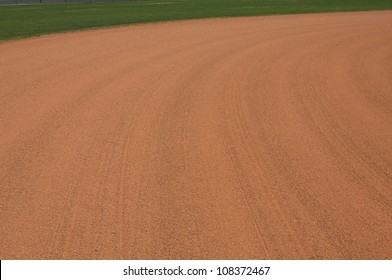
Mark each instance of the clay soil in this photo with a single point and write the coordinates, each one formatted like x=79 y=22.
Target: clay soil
x=243 y=138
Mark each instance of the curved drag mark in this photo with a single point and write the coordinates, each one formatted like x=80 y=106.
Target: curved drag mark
x=247 y=138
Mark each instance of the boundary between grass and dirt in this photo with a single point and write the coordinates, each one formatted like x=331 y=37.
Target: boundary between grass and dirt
x=23 y=21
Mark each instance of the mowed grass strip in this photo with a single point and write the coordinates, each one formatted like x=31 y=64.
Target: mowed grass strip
x=20 y=21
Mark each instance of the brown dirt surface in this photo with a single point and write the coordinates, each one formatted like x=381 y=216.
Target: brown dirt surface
x=243 y=138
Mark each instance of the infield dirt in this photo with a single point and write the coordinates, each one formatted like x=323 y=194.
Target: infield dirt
x=246 y=138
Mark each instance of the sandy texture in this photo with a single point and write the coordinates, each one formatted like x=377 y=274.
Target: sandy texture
x=264 y=137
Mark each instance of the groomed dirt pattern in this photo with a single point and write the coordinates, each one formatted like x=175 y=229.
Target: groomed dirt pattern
x=248 y=138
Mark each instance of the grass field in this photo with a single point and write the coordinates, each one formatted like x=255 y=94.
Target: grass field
x=19 y=21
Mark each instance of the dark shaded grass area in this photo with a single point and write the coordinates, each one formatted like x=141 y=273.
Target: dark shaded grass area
x=19 y=21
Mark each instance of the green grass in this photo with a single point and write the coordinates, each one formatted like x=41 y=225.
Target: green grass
x=22 y=21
